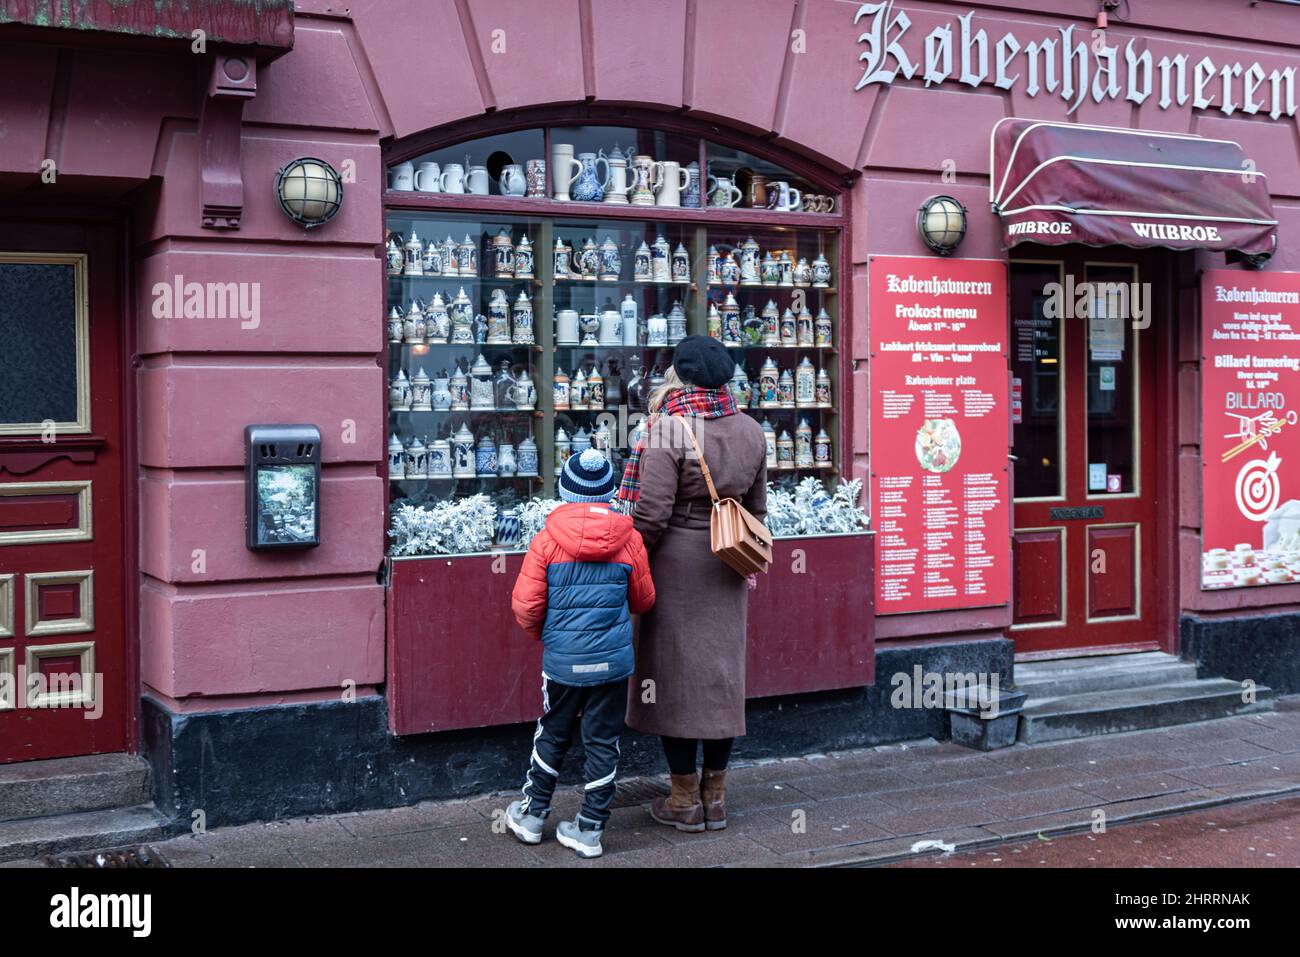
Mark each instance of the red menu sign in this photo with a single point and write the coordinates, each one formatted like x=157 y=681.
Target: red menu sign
x=939 y=431
x=1250 y=439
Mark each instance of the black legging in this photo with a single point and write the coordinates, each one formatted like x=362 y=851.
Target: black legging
x=680 y=753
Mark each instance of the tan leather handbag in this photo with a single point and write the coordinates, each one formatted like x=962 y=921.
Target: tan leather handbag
x=736 y=536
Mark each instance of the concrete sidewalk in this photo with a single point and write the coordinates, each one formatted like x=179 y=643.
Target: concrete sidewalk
x=862 y=806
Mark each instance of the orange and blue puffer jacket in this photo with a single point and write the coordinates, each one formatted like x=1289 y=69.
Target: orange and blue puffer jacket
x=586 y=573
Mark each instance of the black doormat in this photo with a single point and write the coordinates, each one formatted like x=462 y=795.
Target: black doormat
x=142 y=856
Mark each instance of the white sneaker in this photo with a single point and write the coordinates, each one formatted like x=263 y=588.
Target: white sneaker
x=584 y=843
x=526 y=827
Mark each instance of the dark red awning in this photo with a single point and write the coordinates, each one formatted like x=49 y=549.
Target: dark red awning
x=1057 y=183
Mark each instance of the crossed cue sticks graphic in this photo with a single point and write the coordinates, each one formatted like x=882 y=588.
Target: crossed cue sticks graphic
x=1271 y=428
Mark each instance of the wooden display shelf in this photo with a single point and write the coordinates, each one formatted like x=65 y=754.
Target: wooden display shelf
x=574 y=282
x=765 y=410
x=755 y=346
x=746 y=287
x=544 y=207
x=465 y=478
x=532 y=412
x=463 y=280
x=530 y=346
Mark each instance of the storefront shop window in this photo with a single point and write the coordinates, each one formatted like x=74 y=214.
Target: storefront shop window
x=523 y=328
x=1036 y=372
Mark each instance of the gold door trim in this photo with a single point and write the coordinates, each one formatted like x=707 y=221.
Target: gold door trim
x=85 y=530
x=83 y=698
x=1063 y=549
x=62 y=626
x=79 y=262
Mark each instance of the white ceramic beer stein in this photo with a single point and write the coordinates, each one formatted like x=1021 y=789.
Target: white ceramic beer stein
x=452 y=179
x=562 y=172
x=513 y=182
x=566 y=327
x=403 y=177
x=675 y=180
x=428 y=178
x=477 y=180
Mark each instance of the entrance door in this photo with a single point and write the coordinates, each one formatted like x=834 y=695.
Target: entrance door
x=1085 y=449
x=63 y=681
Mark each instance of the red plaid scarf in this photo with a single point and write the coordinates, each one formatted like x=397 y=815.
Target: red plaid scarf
x=692 y=400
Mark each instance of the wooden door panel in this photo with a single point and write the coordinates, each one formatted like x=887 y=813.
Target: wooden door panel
x=1038 y=566
x=1113 y=584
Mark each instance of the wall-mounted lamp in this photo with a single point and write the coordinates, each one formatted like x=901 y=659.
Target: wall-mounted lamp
x=941 y=222
x=310 y=191
x=282 y=486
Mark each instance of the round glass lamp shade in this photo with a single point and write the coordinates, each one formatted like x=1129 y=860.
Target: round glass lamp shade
x=310 y=191
x=942 y=223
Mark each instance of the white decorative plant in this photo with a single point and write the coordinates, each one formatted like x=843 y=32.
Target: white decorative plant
x=467 y=525
x=809 y=509
x=532 y=516
x=460 y=526
x=447 y=528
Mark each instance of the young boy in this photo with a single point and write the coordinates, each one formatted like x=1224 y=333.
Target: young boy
x=584 y=576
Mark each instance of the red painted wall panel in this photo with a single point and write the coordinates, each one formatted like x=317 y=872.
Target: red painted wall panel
x=456 y=659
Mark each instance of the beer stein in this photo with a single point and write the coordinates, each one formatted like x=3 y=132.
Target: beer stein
x=647 y=175
x=674 y=180
x=428 y=178
x=512 y=181
x=403 y=177
x=723 y=192
x=535 y=171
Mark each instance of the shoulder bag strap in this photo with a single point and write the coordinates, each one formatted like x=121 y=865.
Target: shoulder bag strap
x=704 y=466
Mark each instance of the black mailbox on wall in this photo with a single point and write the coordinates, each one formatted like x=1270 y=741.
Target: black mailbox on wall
x=282 y=486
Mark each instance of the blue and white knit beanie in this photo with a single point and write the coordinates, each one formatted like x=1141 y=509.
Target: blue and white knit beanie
x=588 y=477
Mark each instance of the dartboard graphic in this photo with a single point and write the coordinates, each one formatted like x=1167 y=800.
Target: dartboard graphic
x=1258 y=488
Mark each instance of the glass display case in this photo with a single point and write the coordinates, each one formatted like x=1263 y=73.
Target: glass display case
x=539 y=280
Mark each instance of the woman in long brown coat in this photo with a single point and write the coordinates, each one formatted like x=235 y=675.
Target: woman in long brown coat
x=689 y=682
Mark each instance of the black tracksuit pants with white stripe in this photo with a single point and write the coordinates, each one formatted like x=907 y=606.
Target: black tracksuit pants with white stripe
x=596 y=711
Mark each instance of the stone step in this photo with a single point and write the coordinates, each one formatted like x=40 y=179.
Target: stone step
x=70 y=785
x=1133 y=709
x=85 y=831
x=1053 y=679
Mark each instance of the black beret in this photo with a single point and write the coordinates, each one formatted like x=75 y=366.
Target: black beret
x=703 y=361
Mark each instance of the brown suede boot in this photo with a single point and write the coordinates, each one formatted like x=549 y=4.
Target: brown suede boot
x=682 y=808
x=713 y=795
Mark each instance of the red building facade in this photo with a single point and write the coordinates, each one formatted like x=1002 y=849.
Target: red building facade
x=382 y=679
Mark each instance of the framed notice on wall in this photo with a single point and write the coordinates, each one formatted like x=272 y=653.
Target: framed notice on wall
x=940 y=495
x=1250 y=439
